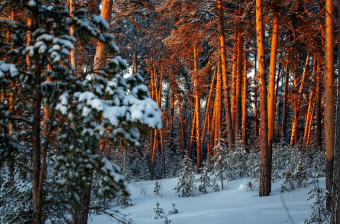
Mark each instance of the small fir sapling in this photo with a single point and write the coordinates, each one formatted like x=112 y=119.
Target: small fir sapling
x=253 y=164
x=219 y=170
x=157 y=212
x=214 y=186
x=235 y=164
x=127 y=174
x=167 y=221
x=204 y=179
x=252 y=185
x=123 y=199
x=320 y=214
x=173 y=210
x=288 y=184
x=157 y=188
x=143 y=192
x=301 y=178
x=185 y=186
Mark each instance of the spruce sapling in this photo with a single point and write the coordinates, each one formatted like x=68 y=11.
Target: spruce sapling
x=157 y=212
x=173 y=210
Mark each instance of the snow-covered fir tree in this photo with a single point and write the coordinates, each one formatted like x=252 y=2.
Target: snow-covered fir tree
x=157 y=212
x=186 y=186
x=320 y=214
x=173 y=210
x=204 y=180
x=123 y=199
x=167 y=221
x=219 y=170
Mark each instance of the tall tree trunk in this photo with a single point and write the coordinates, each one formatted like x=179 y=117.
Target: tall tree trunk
x=238 y=103
x=182 y=128
x=276 y=96
x=255 y=88
x=335 y=213
x=329 y=100
x=197 y=112
x=271 y=90
x=234 y=77
x=264 y=166
x=212 y=126
x=285 y=102
x=207 y=111
x=294 y=137
x=256 y=119
x=310 y=110
x=218 y=106
x=244 y=102
x=271 y=87
x=318 y=105
x=36 y=195
x=230 y=133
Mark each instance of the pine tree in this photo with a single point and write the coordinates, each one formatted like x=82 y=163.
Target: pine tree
x=185 y=186
x=219 y=171
x=204 y=179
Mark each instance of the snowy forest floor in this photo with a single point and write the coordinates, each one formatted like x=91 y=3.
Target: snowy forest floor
x=233 y=205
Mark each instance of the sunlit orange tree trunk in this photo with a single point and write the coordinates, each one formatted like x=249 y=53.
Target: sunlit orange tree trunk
x=264 y=166
x=230 y=133
x=329 y=100
x=271 y=90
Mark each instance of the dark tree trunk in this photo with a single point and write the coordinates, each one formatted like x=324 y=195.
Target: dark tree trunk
x=285 y=106
x=81 y=212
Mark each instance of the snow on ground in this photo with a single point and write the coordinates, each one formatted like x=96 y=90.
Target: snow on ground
x=229 y=206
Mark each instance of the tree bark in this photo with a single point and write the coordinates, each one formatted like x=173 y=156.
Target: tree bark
x=329 y=100
x=264 y=166
x=230 y=133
